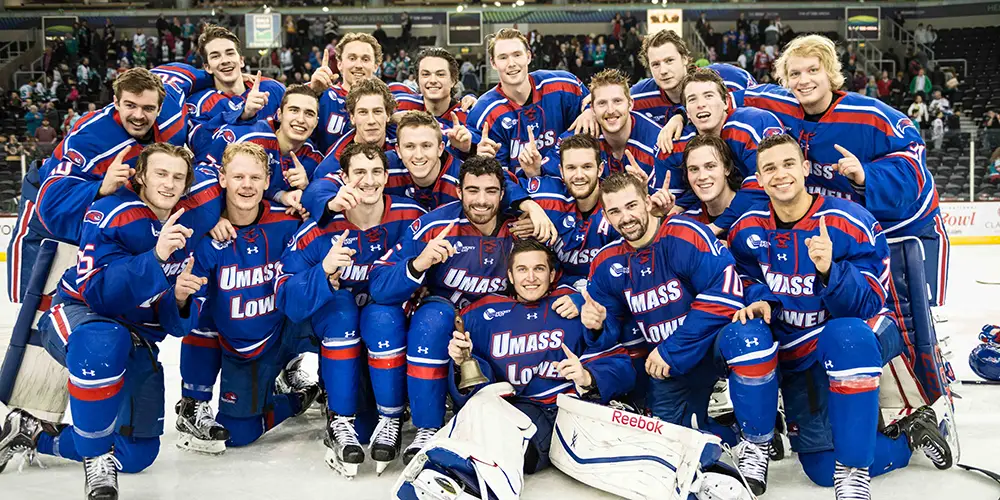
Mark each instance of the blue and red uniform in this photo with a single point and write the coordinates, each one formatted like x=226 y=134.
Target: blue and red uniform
x=344 y=318
x=835 y=332
x=555 y=103
x=415 y=102
x=216 y=108
x=899 y=189
x=653 y=102
x=522 y=343
x=109 y=313
x=479 y=267
x=682 y=291
x=334 y=119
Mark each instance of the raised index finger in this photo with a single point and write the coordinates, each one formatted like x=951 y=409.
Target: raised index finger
x=190 y=265
x=256 y=83
x=295 y=160
x=447 y=230
x=586 y=295
x=822 y=227
x=843 y=151
x=173 y=218
x=326 y=58
x=454 y=120
x=120 y=157
x=631 y=159
x=486 y=130
x=666 y=182
x=569 y=354
x=343 y=237
x=531 y=137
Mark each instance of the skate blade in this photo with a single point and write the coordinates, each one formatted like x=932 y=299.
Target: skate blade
x=191 y=443
x=380 y=467
x=344 y=469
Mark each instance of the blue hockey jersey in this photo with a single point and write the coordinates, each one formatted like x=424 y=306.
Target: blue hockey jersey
x=555 y=103
x=899 y=189
x=185 y=77
x=208 y=146
x=303 y=288
x=241 y=275
x=581 y=235
x=415 y=102
x=118 y=275
x=71 y=177
x=681 y=290
x=776 y=267
x=334 y=120
x=521 y=343
x=479 y=266
x=216 y=108
x=652 y=102
x=326 y=180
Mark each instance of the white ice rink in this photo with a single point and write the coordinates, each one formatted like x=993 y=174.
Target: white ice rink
x=287 y=463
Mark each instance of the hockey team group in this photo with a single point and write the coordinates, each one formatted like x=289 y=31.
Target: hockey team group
x=604 y=249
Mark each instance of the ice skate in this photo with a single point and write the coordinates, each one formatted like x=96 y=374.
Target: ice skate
x=293 y=378
x=423 y=436
x=716 y=486
x=920 y=429
x=102 y=477
x=19 y=435
x=851 y=483
x=386 y=442
x=343 y=452
x=197 y=428
x=752 y=460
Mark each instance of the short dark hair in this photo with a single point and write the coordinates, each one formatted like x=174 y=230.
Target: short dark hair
x=142 y=163
x=705 y=75
x=214 y=32
x=777 y=140
x=299 y=90
x=530 y=245
x=370 y=86
x=443 y=54
x=659 y=38
x=618 y=181
x=580 y=141
x=370 y=151
x=481 y=165
x=733 y=177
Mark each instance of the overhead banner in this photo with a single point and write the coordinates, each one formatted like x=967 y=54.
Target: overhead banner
x=465 y=28
x=972 y=223
x=263 y=31
x=862 y=23
x=669 y=19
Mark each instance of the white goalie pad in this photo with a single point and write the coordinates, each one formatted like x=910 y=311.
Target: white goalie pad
x=483 y=443
x=900 y=394
x=627 y=454
x=40 y=387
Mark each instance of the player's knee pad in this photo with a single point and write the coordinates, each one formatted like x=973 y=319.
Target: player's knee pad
x=430 y=330
x=383 y=328
x=628 y=454
x=736 y=340
x=339 y=318
x=819 y=467
x=98 y=350
x=136 y=454
x=141 y=413
x=848 y=340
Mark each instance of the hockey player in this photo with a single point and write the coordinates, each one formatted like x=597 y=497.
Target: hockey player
x=819 y=275
x=96 y=158
x=711 y=175
x=325 y=279
x=546 y=103
x=292 y=156
x=668 y=59
x=541 y=354
x=706 y=103
x=232 y=99
x=255 y=336
x=459 y=253
x=370 y=104
x=129 y=290
x=437 y=75
x=679 y=284
x=358 y=56
x=573 y=202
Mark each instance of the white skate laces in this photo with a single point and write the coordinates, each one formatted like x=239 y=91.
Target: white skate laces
x=102 y=471
x=752 y=460
x=386 y=432
x=851 y=483
x=203 y=417
x=343 y=431
x=424 y=434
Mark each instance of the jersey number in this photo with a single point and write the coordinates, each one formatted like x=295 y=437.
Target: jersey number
x=84 y=262
x=732 y=284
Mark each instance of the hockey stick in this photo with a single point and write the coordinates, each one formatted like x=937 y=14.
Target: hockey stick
x=990 y=474
x=988 y=281
x=980 y=382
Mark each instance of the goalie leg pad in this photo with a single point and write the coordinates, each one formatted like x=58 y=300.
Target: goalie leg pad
x=482 y=447
x=627 y=454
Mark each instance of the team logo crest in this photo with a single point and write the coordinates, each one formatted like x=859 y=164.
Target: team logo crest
x=74 y=156
x=229 y=397
x=754 y=242
x=228 y=135
x=617 y=270
x=220 y=245
x=507 y=122
x=191 y=109
x=569 y=221
x=415 y=226
x=903 y=124
x=93 y=217
x=769 y=131
x=534 y=184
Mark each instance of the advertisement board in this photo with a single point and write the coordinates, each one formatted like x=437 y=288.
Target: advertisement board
x=972 y=223
x=660 y=19
x=862 y=23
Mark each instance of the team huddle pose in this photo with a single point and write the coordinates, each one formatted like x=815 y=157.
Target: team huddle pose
x=627 y=246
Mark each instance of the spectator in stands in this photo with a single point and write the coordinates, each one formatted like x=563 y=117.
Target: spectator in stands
x=291 y=32
x=331 y=29
x=920 y=34
x=859 y=81
x=600 y=52
x=109 y=30
x=939 y=104
x=140 y=58
x=897 y=89
x=937 y=131
x=884 y=87
x=139 y=39
x=316 y=32
x=742 y=25
x=91 y=107
x=616 y=26
x=761 y=63
x=14 y=101
x=871 y=89
x=50 y=112
x=187 y=29
x=70 y=121
x=989 y=130
x=27 y=90
x=13 y=146
x=701 y=25
x=932 y=35
x=993 y=169
x=403 y=64
x=83 y=71
x=286 y=60
x=920 y=85
x=918 y=112
x=380 y=36
x=771 y=35
x=32 y=120
x=73 y=97
x=45 y=134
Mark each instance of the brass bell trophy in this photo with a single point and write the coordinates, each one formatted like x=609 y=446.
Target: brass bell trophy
x=470 y=373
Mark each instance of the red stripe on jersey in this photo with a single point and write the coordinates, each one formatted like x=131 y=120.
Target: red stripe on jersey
x=619 y=249
x=408 y=105
x=45 y=303
x=614 y=352
x=909 y=160
x=560 y=86
x=638 y=352
x=738 y=134
x=404 y=214
x=346 y=353
x=199 y=341
x=775 y=105
x=649 y=102
x=641 y=156
x=387 y=363
x=102 y=166
x=714 y=309
x=130 y=215
x=168 y=134
x=854 y=385
x=308 y=238
x=493 y=116
x=210 y=103
x=555 y=204
x=800 y=351
x=245 y=355
x=861 y=119
x=687 y=234
x=843 y=225
x=752 y=221
x=275 y=216
x=200 y=198
x=95 y=393
x=756 y=370
x=436 y=372
x=875 y=286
